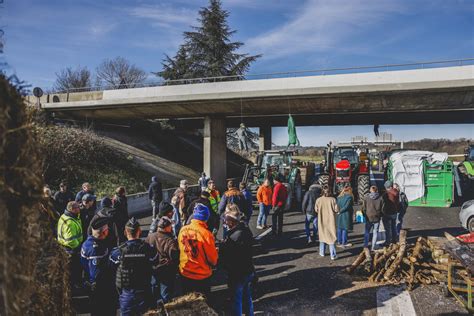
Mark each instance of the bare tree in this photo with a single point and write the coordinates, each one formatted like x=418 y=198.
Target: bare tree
x=118 y=73
x=69 y=79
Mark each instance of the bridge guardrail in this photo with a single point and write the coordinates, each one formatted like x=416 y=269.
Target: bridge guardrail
x=139 y=205
x=275 y=75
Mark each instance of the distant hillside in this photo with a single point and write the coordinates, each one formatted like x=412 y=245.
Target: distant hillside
x=452 y=147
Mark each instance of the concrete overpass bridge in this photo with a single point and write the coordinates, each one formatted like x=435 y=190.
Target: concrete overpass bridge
x=419 y=96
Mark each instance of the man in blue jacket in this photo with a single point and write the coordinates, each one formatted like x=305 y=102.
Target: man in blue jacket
x=99 y=276
x=231 y=196
x=248 y=210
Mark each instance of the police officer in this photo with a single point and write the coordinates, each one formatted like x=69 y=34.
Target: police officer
x=135 y=259
x=95 y=262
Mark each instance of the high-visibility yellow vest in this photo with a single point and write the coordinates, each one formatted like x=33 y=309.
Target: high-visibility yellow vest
x=69 y=231
x=214 y=201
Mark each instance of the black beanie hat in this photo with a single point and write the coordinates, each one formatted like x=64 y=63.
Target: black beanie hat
x=164 y=208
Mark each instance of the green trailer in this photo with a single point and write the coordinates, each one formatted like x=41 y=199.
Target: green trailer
x=438 y=180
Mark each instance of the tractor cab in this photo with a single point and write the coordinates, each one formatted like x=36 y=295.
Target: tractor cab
x=269 y=164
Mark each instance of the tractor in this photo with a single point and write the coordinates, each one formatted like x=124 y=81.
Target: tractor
x=271 y=162
x=344 y=166
x=466 y=172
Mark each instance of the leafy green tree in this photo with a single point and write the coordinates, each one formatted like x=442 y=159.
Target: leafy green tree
x=208 y=50
x=178 y=67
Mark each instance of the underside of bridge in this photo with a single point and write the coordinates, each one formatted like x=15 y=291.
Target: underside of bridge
x=423 y=96
x=435 y=107
x=424 y=107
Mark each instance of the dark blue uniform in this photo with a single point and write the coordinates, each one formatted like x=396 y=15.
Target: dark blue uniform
x=99 y=276
x=133 y=279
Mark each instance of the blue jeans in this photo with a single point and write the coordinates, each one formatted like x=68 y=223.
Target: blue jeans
x=132 y=302
x=241 y=295
x=264 y=210
x=375 y=231
x=162 y=287
x=390 y=224
x=307 y=223
x=322 y=249
x=342 y=236
x=177 y=222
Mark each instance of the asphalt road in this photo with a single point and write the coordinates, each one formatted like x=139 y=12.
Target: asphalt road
x=295 y=280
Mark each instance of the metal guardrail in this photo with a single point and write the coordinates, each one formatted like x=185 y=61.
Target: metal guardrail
x=275 y=75
x=139 y=204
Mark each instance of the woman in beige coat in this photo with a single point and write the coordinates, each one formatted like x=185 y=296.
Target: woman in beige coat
x=326 y=207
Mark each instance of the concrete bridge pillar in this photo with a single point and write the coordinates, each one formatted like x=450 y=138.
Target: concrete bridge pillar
x=265 y=137
x=215 y=150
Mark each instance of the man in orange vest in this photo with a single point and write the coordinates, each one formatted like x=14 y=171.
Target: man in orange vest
x=198 y=253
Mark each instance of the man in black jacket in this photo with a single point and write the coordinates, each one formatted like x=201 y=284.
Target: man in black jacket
x=120 y=204
x=62 y=197
x=106 y=211
x=309 y=201
x=235 y=255
x=155 y=194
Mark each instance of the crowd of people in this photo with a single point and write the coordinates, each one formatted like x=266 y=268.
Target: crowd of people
x=121 y=267
x=333 y=218
x=111 y=258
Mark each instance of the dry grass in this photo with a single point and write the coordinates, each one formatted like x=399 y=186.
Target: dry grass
x=32 y=278
x=191 y=304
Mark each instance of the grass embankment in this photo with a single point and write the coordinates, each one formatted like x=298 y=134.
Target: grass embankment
x=77 y=155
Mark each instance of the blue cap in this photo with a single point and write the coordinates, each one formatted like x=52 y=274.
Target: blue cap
x=201 y=212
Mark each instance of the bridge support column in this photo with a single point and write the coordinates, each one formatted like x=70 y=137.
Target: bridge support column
x=215 y=150
x=265 y=137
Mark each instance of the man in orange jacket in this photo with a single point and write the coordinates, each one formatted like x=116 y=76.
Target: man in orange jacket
x=264 y=198
x=198 y=253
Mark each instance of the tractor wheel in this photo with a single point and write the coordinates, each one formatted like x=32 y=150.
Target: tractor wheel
x=363 y=186
x=323 y=180
x=470 y=224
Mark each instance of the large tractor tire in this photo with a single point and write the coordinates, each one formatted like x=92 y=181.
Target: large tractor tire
x=363 y=186
x=323 y=180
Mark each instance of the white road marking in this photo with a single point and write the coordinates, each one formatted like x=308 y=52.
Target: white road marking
x=394 y=300
x=263 y=234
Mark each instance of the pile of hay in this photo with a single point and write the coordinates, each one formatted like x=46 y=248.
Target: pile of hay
x=32 y=278
x=190 y=304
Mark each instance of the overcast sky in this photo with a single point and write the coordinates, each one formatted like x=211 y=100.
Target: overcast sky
x=42 y=37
